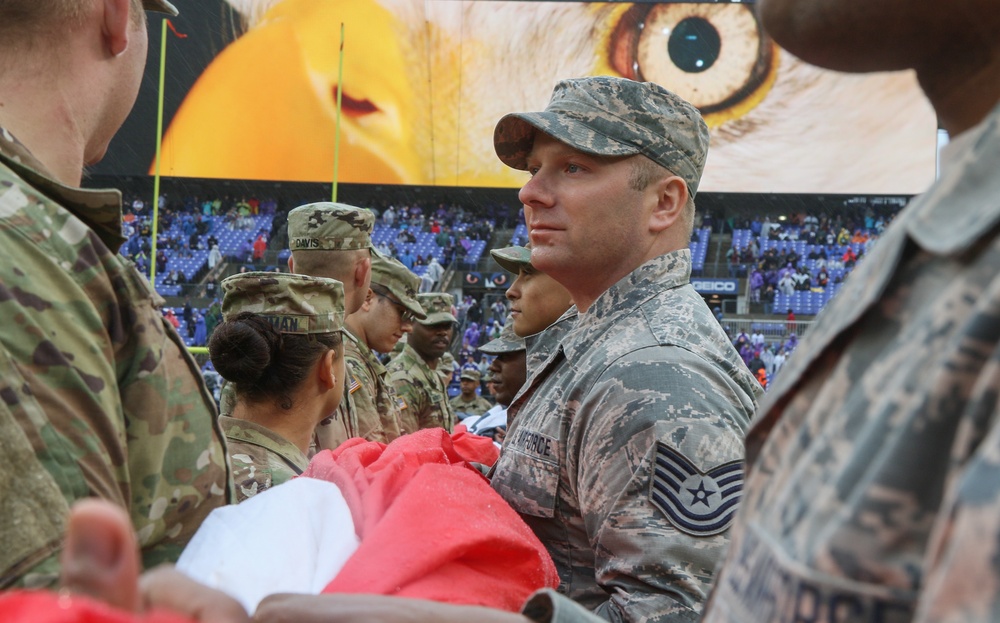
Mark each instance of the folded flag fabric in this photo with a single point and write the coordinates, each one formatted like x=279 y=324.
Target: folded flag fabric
x=412 y=519
x=287 y=539
x=475 y=448
x=430 y=525
x=49 y=607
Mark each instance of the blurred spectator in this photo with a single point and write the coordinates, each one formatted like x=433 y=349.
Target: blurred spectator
x=259 y=246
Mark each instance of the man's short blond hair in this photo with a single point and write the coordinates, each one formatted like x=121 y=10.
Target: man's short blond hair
x=644 y=172
x=21 y=19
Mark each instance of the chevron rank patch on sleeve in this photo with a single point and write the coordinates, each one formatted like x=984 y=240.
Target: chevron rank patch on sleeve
x=696 y=503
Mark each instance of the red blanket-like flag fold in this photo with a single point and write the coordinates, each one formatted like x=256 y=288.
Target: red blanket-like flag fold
x=430 y=525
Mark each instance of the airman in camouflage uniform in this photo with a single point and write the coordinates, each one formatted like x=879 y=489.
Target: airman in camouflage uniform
x=873 y=466
x=99 y=396
x=413 y=372
x=624 y=453
x=477 y=405
x=375 y=326
x=296 y=305
x=539 y=343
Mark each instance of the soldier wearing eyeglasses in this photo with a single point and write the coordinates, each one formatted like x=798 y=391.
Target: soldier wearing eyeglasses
x=386 y=315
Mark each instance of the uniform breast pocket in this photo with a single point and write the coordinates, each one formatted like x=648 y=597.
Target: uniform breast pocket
x=527 y=474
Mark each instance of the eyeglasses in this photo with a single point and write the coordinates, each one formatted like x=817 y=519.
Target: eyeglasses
x=404 y=314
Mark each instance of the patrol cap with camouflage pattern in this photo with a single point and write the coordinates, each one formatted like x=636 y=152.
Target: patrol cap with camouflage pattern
x=327 y=226
x=292 y=303
x=438 y=307
x=392 y=275
x=160 y=6
x=470 y=374
x=608 y=116
x=512 y=259
x=506 y=342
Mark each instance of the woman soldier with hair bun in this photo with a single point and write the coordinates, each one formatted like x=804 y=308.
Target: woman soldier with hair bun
x=280 y=345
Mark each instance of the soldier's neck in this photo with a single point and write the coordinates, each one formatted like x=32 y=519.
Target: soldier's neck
x=295 y=425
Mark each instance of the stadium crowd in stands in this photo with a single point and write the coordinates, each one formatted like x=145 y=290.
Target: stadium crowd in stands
x=793 y=263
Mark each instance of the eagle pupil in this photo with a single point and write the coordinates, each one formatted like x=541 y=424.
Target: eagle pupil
x=694 y=45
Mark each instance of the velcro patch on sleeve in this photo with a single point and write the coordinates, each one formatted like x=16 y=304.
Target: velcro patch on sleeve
x=355 y=385
x=695 y=502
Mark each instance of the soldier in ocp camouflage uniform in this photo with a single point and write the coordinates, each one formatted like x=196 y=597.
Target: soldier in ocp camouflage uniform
x=625 y=450
x=873 y=478
x=99 y=396
x=414 y=371
x=386 y=316
x=268 y=440
x=474 y=404
x=330 y=240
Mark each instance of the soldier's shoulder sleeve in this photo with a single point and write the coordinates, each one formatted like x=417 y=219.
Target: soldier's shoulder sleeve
x=58 y=382
x=369 y=422
x=409 y=387
x=659 y=468
x=251 y=469
x=92 y=343
x=35 y=510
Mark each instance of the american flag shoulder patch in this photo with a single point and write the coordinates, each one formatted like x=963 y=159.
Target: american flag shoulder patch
x=695 y=502
x=354 y=384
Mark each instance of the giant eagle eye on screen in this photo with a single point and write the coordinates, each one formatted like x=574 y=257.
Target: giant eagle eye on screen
x=425 y=81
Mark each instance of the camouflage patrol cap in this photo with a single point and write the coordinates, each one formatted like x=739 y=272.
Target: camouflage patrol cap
x=330 y=226
x=470 y=374
x=512 y=259
x=392 y=275
x=608 y=116
x=292 y=303
x=438 y=307
x=507 y=342
x=160 y=6
x=446 y=365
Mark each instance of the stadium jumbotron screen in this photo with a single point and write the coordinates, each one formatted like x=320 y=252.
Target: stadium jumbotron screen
x=251 y=93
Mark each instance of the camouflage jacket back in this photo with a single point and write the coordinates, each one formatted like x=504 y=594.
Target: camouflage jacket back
x=261 y=458
x=873 y=489
x=100 y=397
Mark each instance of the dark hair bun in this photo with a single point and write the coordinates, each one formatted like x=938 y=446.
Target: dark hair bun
x=242 y=348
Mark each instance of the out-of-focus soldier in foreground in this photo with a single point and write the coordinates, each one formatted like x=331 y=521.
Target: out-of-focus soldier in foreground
x=873 y=478
x=99 y=396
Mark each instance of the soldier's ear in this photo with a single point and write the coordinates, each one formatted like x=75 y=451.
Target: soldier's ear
x=291 y=264
x=327 y=372
x=362 y=272
x=671 y=199
x=369 y=300
x=116 y=25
